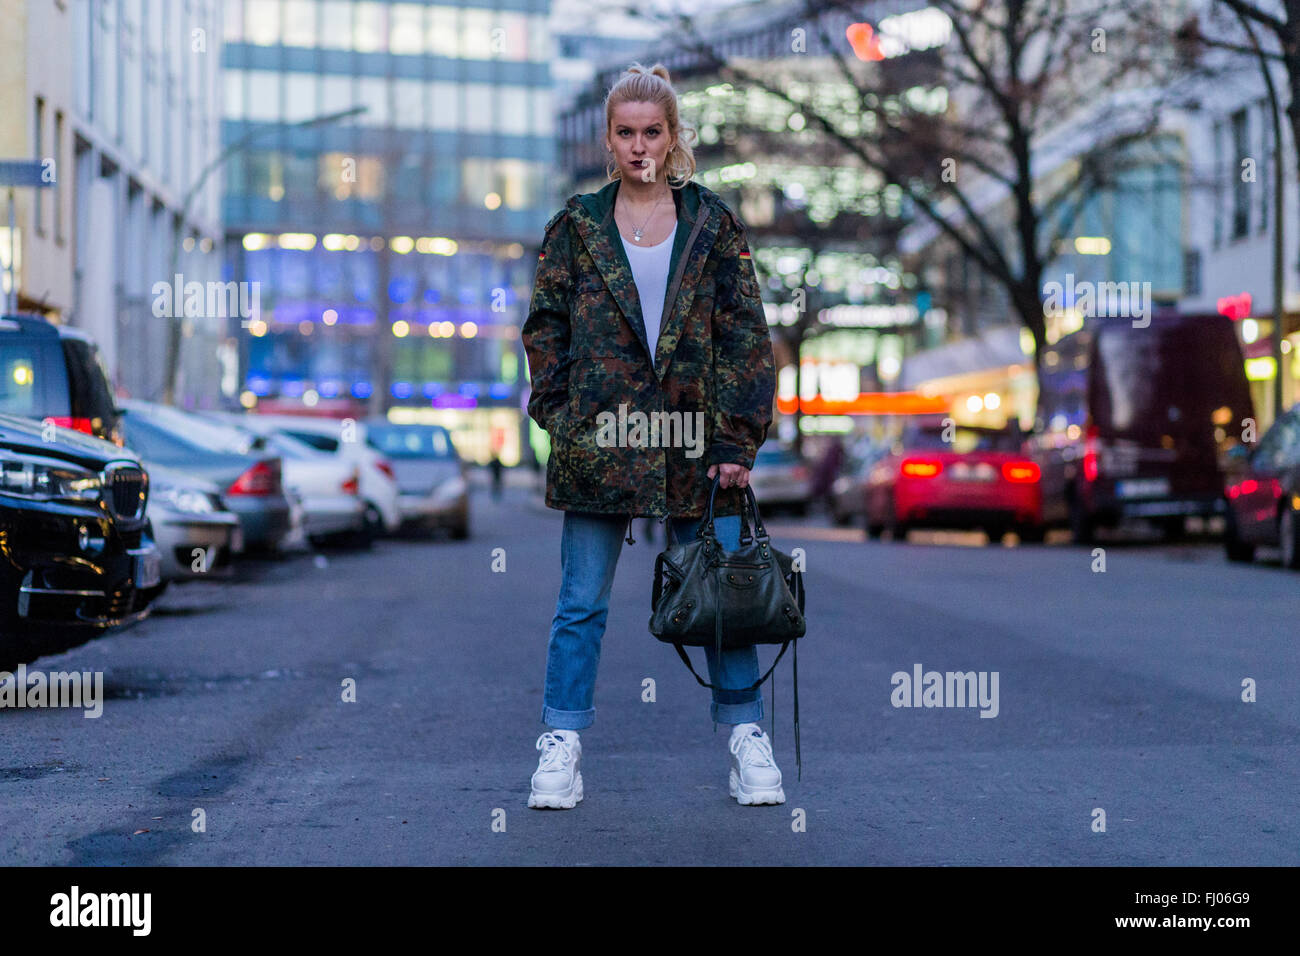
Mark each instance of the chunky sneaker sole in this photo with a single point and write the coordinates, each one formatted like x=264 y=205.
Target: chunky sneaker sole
x=754 y=796
x=564 y=800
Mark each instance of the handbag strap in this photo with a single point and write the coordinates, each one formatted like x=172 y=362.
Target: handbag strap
x=749 y=505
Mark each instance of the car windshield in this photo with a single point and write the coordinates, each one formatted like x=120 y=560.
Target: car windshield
x=411 y=441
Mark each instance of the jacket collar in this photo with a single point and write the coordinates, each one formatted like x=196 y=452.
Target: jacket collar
x=698 y=220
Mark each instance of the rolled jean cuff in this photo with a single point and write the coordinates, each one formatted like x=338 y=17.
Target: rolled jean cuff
x=750 y=712
x=568 y=719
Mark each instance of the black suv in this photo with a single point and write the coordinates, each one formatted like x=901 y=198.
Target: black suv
x=55 y=372
x=76 y=555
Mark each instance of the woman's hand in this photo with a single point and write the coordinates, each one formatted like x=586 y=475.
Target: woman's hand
x=732 y=475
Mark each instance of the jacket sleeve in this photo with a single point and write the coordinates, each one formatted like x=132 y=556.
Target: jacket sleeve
x=744 y=370
x=546 y=330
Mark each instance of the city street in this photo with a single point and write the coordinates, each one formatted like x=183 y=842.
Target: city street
x=1119 y=690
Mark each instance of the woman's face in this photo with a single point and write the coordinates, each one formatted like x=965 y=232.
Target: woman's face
x=639 y=137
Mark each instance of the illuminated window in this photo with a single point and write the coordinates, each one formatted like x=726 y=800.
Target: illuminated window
x=444 y=106
x=262 y=22
x=263 y=95
x=372 y=93
x=408 y=104
x=299 y=23
x=234 y=21
x=480 y=112
x=336 y=24
x=234 y=94
x=371 y=32
x=476 y=33
x=514 y=116
x=443 y=37
x=300 y=96
x=406 y=28
x=336 y=93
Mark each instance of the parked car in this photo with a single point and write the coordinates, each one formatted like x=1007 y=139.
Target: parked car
x=346 y=440
x=250 y=485
x=1138 y=422
x=76 y=555
x=432 y=488
x=328 y=488
x=781 y=480
x=954 y=476
x=1263 y=494
x=55 y=372
x=197 y=536
x=849 y=491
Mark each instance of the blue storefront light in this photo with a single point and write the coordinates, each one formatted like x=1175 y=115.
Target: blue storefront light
x=402 y=390
x=361 y=389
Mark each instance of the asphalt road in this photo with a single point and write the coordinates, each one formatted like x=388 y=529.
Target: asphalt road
x=1119 y=691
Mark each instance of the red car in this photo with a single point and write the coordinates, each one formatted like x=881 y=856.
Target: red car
x=942 y=475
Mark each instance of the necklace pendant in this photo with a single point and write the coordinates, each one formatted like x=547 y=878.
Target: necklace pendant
x=636 y=235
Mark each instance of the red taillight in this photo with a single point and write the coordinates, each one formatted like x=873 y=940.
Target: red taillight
x=1090 y=469
x=261 y=479
x=921 y=467
x=1021 y=472
x=1249 y=487
x=383 y=465
x=76 y=424
x=352 y=486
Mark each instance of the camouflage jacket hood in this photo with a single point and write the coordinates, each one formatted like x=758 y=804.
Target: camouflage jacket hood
x=629 y=437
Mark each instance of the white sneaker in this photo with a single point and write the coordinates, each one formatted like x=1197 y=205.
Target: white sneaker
x=557 y=784
x=755 y=778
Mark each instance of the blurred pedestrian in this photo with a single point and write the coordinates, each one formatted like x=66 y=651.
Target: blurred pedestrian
x=828 y=469
x=497 y=468
x=644 y=301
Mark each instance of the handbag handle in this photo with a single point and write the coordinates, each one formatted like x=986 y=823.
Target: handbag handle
x=749 y=505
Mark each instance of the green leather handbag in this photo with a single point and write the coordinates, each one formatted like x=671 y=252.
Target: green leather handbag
x=704 y=595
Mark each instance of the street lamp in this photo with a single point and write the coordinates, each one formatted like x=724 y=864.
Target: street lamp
x=174 y=328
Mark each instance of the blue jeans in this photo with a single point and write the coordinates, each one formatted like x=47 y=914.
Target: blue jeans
x=588 y=556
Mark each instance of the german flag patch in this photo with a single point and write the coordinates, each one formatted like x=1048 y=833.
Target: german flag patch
x=745 y=255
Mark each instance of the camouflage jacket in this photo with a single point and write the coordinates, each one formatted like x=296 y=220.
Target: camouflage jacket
x=626 y=434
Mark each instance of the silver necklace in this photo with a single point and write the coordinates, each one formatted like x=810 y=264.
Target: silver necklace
x=637 y=232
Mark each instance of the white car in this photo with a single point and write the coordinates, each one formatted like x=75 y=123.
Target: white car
x=378 y=484
x=196 y=536
x=328 y=489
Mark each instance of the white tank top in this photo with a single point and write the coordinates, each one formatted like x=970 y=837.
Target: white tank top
x=650 y=272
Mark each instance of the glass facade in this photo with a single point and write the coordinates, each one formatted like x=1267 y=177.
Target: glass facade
x=389 y=246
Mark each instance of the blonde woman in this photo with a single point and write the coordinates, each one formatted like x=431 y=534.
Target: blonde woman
x=644 y=301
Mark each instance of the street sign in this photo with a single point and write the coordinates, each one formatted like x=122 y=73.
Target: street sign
x=23 y=172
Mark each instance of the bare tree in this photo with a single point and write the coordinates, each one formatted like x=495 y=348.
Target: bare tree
x=1016 y=73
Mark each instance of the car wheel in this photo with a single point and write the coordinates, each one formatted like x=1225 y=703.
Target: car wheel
x=995 y=534
x=1175 y=529
x=460 y=532
x=1289 y=539
x=374 y=520
x=1031 y=534
x=874 y=531
x=1236 y=549
x=1081 y=523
